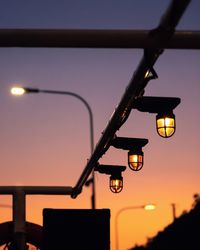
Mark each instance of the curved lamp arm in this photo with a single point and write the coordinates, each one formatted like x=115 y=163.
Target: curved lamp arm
x=145 y=207
x=83 y=101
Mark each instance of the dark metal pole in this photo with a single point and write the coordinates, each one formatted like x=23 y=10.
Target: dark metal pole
x=136 y=87
x=124 y=39
x=19 y=220
x=173 y=211
x=36 y=190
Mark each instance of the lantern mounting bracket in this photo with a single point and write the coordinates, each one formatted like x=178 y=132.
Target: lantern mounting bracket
x=156 y=104
x=127 y=143
x=110 y=169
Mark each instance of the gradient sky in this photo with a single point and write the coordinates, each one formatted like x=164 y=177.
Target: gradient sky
x=45 y=139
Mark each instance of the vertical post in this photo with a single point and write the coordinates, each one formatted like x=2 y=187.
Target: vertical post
x=173 y=211
x=19 y=220
x=93 y=196
x=91 y=122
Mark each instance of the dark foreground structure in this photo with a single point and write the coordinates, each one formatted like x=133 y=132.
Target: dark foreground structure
x=76 y=229
x=182 y=234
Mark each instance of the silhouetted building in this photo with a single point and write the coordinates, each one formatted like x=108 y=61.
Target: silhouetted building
x=182 y=234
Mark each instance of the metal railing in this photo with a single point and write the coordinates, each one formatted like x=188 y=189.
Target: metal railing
x=19 y=207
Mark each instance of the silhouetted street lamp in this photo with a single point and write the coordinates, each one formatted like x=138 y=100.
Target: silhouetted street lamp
x=135 y=154
x=163 y=106
x=146 y=207
x=135 y=160
x=18 y=91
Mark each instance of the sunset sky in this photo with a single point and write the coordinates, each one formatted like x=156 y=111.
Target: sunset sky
x=45 y=139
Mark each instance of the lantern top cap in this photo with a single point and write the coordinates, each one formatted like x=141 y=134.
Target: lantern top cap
x=156 y=104
x=127 y=143
x=110 y=169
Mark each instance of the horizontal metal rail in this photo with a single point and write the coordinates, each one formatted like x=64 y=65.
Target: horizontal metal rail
x=125 y=39
x=36 y=190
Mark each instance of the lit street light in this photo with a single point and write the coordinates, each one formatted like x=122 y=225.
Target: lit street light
x=135 y=154
x=147 y=207
x=163 y=106
x=116 y=179
x=18 y=91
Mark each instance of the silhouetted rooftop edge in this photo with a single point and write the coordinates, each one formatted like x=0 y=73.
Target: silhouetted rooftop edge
x=182 y=234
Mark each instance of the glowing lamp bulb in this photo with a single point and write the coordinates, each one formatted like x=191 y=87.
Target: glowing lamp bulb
x=165 y=125
x=149 y=207
x=135 y=160
x=17 y=91
x=116 y=184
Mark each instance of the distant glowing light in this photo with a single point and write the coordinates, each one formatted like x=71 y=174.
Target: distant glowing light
x=149 y=207
x=17 y=91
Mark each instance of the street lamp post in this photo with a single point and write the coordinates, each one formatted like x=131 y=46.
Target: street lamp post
x=22 y=90
x=173 y=211
x=145 y=207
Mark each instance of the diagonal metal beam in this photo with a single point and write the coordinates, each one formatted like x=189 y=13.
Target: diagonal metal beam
x=124 y=39
x=162 y=34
